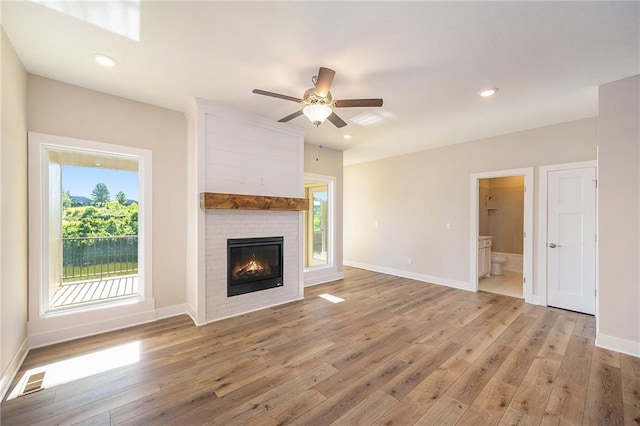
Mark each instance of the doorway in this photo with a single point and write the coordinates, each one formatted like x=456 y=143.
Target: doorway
x=317 y=224
x=319 y=230
x=501 y=230
x=514 y=279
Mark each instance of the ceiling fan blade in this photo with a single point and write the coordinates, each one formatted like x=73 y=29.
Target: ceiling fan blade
x=337 y=121
x=346 y=103
x=323 y=83
x=290 y=117
x=276 y=95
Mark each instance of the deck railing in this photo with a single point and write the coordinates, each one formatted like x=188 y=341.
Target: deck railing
x=98 y=257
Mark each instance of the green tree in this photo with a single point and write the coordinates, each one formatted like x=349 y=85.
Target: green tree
x=100 y=194
x=121 y=198
x=66 y=199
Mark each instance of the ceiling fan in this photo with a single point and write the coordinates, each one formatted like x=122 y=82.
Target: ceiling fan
x=318 y=101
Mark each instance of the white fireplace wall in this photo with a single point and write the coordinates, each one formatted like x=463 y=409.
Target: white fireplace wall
x=235 y=152
x=253 y=157
x=224 y=224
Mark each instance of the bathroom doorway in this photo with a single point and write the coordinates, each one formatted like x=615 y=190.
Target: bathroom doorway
x=501 y=232
x=501 y=228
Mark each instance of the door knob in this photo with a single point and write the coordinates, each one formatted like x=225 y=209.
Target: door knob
x=553 y=245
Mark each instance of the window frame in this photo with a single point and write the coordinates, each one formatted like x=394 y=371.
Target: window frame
x=46 y=325
x=330 y=181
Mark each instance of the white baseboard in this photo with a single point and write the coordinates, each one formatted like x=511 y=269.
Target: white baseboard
x=461 y=285
x=323 y=279
x=617 y=344
x=59 y=335
x=171 y=311
x=12 y=369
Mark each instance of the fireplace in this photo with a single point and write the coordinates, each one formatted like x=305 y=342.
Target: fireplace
x=253 y=264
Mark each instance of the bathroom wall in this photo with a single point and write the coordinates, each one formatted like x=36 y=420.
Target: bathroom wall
x=484 y=188
x=502 y=212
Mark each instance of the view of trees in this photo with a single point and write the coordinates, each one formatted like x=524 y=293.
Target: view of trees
x=121 y=198
x=99 y=236
x=103 y=218
x=100 y=194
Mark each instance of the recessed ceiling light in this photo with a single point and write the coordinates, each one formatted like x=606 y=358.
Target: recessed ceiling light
x=105 y=61
x=347 y=136
x=485 y=93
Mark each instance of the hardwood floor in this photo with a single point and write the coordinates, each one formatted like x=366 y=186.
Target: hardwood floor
x=395 y=352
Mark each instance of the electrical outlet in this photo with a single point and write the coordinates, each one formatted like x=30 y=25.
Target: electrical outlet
x=409 y=261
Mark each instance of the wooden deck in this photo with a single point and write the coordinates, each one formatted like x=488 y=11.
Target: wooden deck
x=80 y=292
x=395 y=352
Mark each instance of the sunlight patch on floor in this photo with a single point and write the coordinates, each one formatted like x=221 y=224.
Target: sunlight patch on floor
x=79 y=367
x=331 y=298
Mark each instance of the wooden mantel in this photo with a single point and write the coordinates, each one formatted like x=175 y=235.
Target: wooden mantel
x=214 y=200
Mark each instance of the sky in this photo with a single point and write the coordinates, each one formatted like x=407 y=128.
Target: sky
x=80 y=181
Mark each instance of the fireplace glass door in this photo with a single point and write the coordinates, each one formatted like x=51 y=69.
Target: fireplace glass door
x=254 y=264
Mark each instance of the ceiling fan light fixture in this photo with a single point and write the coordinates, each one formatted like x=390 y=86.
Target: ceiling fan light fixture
x=317 y=113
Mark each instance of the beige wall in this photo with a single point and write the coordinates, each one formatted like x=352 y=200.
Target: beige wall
x=61 y=109
x=412 y=197
x=619 y=214
x=13 y=207
x=328 y=162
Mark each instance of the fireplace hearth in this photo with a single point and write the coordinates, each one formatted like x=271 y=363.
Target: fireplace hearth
x=254 y=264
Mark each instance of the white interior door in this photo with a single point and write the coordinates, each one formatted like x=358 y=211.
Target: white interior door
x=571 y=239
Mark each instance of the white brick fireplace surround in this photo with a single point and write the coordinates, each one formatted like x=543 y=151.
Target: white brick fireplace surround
x=224 y=224
x=237 y=153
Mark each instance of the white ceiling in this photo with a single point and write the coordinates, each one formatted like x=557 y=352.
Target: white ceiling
x=426 y=59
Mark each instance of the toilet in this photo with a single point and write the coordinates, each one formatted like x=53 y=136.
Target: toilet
x=496 y=264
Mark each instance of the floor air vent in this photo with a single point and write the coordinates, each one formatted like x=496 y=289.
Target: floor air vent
x=34 y=383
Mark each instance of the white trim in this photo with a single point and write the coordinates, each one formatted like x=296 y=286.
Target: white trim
x=461 y=285
x=65 y=327
x=541 y=276
x=171 y=311
x=192 y=313
x=301 y=271
x=330 y=181
x=195 y=252
x=629 y=347
x=47 y=327
x=329 y=275
x=12 y=369
x=527 y=256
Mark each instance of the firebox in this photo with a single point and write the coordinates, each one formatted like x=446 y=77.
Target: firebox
x=253 y=264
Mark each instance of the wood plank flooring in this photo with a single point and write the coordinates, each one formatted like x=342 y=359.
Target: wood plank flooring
x=395 y=352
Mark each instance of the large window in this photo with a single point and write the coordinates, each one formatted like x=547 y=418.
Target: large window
x=90 y=207
x=94 y=247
